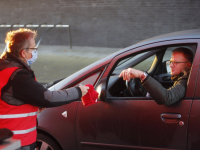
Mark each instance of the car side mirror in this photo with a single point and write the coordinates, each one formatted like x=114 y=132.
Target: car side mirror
x=101 y=89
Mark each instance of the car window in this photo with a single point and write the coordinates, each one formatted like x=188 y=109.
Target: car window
x=154 y=62
x=118 y=87
x=89 y=79
x=128 y=60
x=145 y=64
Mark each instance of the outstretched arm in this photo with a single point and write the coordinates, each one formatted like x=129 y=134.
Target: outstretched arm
x=160 y=94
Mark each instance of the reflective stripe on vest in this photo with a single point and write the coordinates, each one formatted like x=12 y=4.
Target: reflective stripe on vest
x=18 y=115
x=24 y=131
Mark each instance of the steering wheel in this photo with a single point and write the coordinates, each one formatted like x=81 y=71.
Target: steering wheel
x=135 y=87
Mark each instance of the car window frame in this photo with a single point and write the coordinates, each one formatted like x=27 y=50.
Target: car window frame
x=192 y=45
x=101 y=70
x=149 y=53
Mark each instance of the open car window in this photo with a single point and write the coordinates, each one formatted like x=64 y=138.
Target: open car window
x=117 y=86
x=153 y=61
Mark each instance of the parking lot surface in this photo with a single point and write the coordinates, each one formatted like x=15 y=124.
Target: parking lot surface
x=55 y=62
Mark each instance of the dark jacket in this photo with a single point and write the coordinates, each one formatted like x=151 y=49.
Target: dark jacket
x=23 y=89
x=166 y=96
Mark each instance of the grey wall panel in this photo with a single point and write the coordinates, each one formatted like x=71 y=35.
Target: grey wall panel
x=102 y=23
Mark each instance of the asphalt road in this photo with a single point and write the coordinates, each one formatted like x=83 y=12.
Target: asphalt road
x=55 y=62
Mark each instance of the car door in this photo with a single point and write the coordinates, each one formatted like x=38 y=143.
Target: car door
x=194 y=121
x=117 y=122
x=57 y=124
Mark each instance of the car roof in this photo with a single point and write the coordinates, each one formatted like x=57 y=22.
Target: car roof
x=186 y=34
x=179 y=35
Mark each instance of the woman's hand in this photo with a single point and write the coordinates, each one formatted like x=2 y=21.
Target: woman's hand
x=84 y=89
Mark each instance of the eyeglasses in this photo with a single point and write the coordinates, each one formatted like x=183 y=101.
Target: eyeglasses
x=174 y=63
x=34 y=49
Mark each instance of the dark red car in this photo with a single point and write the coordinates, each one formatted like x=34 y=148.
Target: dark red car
x=121 y=120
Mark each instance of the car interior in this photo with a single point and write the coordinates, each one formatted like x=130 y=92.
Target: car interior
x=153 y=61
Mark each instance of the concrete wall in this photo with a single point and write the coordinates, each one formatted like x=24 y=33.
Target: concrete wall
x=102 y=23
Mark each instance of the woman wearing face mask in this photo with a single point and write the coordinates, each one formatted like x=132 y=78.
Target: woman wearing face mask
x=21 y=94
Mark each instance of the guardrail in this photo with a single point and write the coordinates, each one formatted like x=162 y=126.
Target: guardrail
x=11 y=26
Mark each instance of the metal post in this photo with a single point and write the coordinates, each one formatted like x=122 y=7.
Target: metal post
x=11 y=27
x=70 y=40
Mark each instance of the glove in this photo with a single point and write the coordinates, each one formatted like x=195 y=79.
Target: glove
x=90 y=97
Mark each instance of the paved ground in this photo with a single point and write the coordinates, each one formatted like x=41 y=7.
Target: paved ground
x=56 y=62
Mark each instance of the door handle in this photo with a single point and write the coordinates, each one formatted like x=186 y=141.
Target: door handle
x=170 y=117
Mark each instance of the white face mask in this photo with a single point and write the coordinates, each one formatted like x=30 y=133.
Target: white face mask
x=34 y=57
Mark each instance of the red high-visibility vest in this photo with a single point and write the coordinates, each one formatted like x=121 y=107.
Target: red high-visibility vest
x=21 y=120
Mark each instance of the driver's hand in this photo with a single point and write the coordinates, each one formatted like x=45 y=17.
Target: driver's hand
x=131 y=73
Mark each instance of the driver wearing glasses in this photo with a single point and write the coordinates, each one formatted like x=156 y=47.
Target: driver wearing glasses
x=180 y=64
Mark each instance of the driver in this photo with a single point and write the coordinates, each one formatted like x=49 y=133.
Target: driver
x=180 y=64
